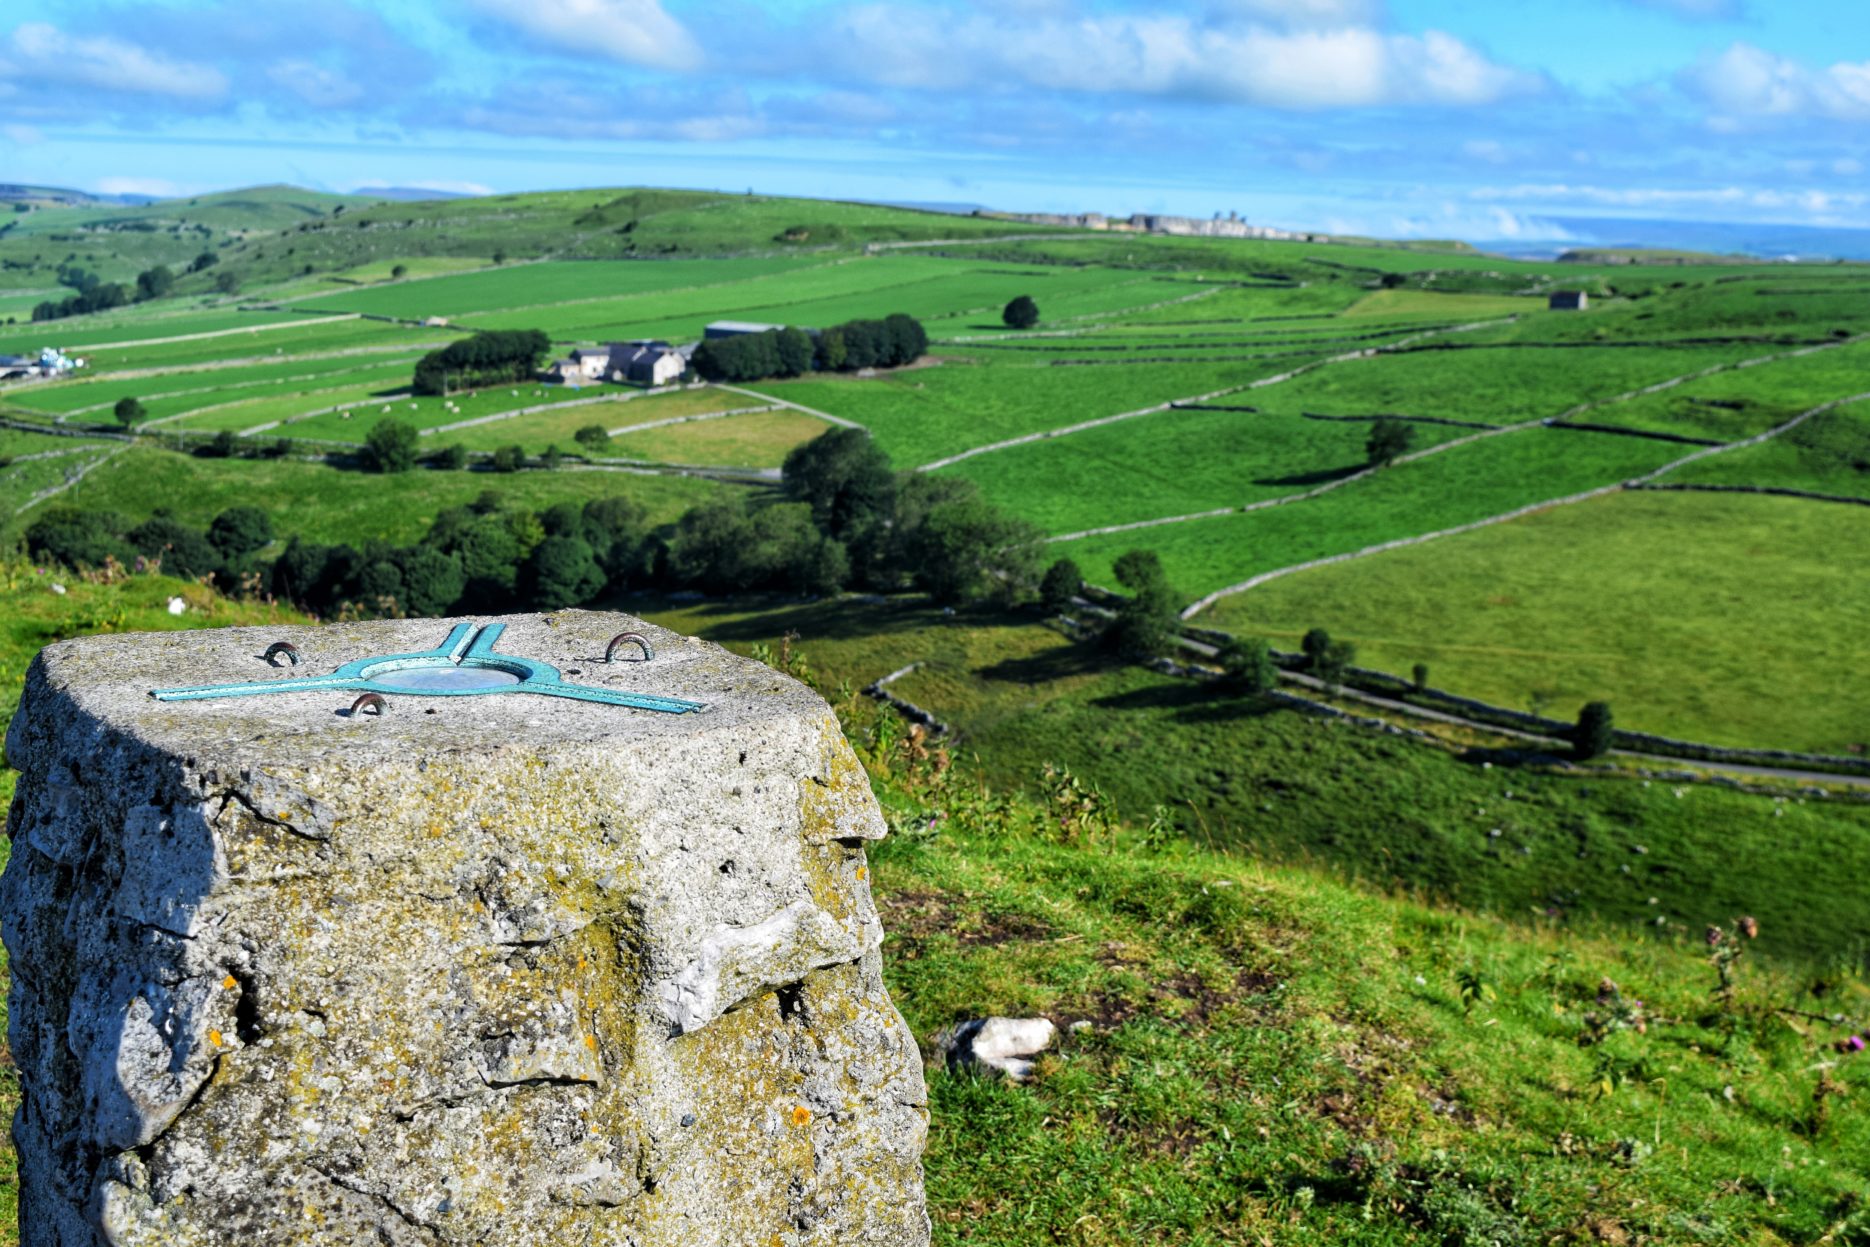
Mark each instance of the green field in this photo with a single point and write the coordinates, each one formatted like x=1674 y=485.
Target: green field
x=755 y=439
x=610 y=409
x=1288 y=786
x=1609 y=599
x=342 y=505
x=1458 y=486
x=1269 y=1054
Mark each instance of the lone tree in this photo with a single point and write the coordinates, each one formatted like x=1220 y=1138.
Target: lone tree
x=1388 y=441
x=1316 y=642
x=1248 y=662
x=1021 y=313
x=593 y=438
x=509 y=459
x=453 y=457
x=391 y=446
x=1336 y=659
x=1592 y=737
x=1146 y=625
x=130 y=412
x=551 y=457
x=1061 y=584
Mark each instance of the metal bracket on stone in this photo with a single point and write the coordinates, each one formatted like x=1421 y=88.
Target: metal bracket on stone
x=464 y=665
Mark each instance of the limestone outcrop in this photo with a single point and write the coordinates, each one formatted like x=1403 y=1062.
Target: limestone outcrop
x=502 y=969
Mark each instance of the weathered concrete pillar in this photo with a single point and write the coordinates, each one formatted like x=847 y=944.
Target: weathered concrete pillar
x=500 y=969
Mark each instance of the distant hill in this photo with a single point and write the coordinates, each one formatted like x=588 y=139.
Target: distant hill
x=58 y=196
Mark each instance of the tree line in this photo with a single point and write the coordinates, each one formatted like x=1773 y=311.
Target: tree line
x=896 y=340
x=96 y=295
x=844 y=519
x=492 y=357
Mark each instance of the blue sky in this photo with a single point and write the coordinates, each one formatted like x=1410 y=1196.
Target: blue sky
x=1474 y=118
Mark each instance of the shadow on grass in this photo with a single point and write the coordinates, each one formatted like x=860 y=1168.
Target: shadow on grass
x=1323 y=476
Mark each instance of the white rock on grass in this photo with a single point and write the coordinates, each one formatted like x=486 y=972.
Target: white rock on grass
x=1004 y=1045
x=521 y=971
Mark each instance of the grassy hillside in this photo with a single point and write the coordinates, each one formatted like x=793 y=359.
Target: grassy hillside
x=1259 y=1054
x=1575 y=605
x=1461 y=820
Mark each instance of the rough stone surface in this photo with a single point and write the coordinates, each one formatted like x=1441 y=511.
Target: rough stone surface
x=518 y=971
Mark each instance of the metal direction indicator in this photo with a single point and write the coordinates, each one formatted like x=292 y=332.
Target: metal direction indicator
x=462 y=666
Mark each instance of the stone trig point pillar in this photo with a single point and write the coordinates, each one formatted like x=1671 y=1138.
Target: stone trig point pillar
x=489 y=967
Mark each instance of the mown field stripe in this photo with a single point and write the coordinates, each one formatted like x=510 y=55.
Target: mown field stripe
x=214 y=333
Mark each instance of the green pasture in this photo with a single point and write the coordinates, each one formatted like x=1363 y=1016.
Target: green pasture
x=1283 y=785
x=530 y=286
x=1828 y=454
x=1495 y=385
x=16 y=442
x=824 y=294
x=1459 y=486
x=343 y=338
x=755 y=439
x=94 y=399
x=1725 y=618
x=1740 y=402
x=1437 y=305
x=922 y=414
x=82 y=335
x=1174 y=463
x=608 y=406
x=288 y=406
x=23 y=478
x=325 y=503
x=1266 y=304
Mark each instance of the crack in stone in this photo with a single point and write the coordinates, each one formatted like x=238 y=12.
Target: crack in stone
x=354 y=1187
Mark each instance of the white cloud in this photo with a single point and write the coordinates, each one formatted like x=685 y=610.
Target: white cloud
x=316 y=85
x=41 y=52
x=155 y=188
x=1489 y=150
x=1745 y=82
x=639 y=32
x=1298 y=68
x=1847 y=166
x=1561 y=196
x=21 y=136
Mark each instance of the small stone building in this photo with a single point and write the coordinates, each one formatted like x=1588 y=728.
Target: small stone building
x=1569 y=301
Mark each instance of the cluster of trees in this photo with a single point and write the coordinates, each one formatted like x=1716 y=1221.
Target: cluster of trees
x=92 y=538
x=889 y=343
x=845 y=519
x=96 y=295
x=493 y=357
x=849 y=520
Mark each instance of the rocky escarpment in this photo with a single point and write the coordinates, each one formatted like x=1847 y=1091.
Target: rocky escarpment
x=495 y=969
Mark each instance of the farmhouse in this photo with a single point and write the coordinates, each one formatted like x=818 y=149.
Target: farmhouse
x=645 y=363
x=1569 y=301
x=591 y=361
